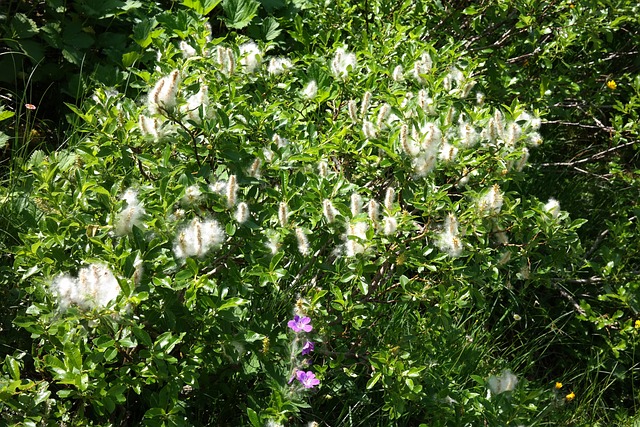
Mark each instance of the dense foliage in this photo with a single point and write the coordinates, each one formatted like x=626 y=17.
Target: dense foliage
x=289 y=213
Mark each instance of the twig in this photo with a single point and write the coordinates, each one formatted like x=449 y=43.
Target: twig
x=592 y=157
x=591 y=173
x=385 y=270
x=600 y=238
x=142 y=171
x=578 y=169
x=312 y=261
x=613 y=56
x=596 y=244
x=581 y=125
x=175 y=120
x=570 y=298
x=587 y=281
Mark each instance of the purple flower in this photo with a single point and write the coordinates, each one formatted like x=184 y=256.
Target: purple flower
x=307 y=379
x=300 y=324
x=308 y=347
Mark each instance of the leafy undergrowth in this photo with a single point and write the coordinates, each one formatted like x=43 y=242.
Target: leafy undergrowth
x=313 y=221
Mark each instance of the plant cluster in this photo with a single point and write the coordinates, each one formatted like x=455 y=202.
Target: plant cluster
x=366 y=180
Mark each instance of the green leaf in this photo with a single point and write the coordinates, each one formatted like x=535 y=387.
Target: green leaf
x=104 y=342
x=142 y=32
x=127 y=342
x=56 y=366
x=131 y=4
x=73 y=355
x=414 y=372
x=130 y=58
x=110 y=354
x=23 y=27
x=4 y=114
x=364 y=287
x=4 y=138
x=100 y=9
x=372 y=382
x=253 y=417
x=232 y=302
x=239 y=13
x=118 y=393
x=142 y=336
x=203 y=7
x=33 y=49
x=230 y=228
x=76 y=37
x=30 y=272
x=63 y=394
x=471 y=10
x=193 y=266
x=14 y=367
x=167 y=341
x=268 y=30
x=272 y=5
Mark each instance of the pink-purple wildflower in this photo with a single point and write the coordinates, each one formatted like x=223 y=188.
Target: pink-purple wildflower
x=307 y=379
x=300 y=324
x=308 y=347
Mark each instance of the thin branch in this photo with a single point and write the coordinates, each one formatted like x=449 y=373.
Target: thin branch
x=592 y=174
x=603 y=177
x=177 y=121
x=571 y=300
x=600 y=238
x=592 y=157
x=614 y=55
x=596 y=244
x=142 y=171
x=587 y=281
x=581 y=125
x=487 y=32
x=309 y=263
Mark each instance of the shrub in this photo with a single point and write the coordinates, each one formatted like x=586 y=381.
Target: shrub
x=324 y=234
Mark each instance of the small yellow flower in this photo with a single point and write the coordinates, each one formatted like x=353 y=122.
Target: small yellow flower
x=558 y=386
x=570 y=396
x=637 y=324
x=611 y=84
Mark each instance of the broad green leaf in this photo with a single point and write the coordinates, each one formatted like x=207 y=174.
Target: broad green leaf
x=23 y=27
x=74 y=36
x=131 y=4
x=253 y=418
x=14 y=367
x=203 y=7
x=239 y=13
x=130 y=58
x=55 y=365
x=4 y=114
x=110 y=354
x=142 y=32
x=142 y=336
x=268 y=30
x=73 y=355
